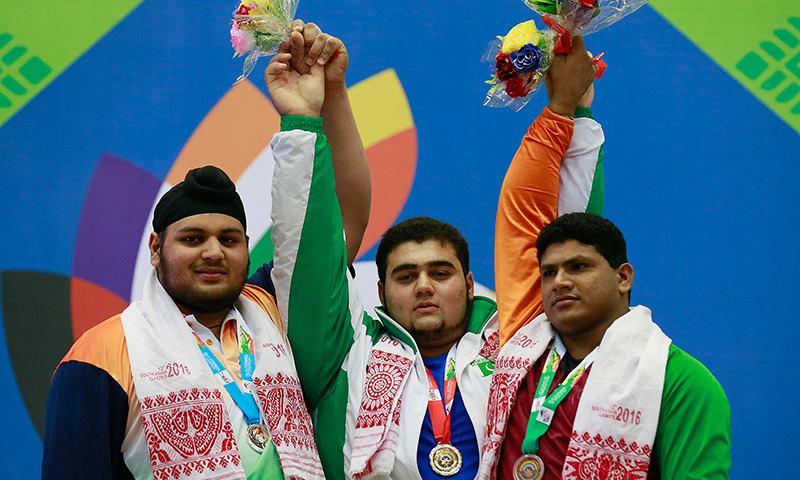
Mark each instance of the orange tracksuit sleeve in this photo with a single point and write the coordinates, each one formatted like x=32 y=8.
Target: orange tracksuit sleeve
x=528 y=201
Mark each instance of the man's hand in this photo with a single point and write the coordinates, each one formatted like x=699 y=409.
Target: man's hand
x=569 y=79
x=310 y=46
x=293 y=92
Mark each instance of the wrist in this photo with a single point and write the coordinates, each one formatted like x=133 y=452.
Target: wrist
x=302 y=112
x=565 y=109
x=335 y=89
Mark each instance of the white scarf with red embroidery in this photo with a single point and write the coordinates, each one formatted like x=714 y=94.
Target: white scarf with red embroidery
x=377 y=428
x=184 y=416
x=375 y=440
x=617 y=416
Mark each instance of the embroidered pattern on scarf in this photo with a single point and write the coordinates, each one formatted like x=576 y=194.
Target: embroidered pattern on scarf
x=588 y=458
x=375 y=437
x=491 y=347
x=288 y=420
x=509 y=371
x=183 y=428
x=187 y=428
x=629 y=370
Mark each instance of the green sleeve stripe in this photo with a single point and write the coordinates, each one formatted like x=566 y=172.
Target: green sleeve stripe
x=329 y=428
x=262 y=253
x=296 y=122
x=319 y=327
x=583 y=112
x=597 y=197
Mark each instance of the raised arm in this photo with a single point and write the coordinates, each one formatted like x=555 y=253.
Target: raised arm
x=350 y=166
x=581 y=183
x=529 y=197
x=310 y=273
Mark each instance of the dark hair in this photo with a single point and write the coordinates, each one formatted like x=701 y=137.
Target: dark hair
x=421 y=229
x=587 y=229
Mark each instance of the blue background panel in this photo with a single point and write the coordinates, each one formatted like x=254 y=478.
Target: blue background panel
x=699 y=173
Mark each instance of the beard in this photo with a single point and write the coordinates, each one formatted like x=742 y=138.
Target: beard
x=197 y=301
x=446 y=334
x=440 y=336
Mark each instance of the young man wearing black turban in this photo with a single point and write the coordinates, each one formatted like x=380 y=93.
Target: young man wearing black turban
x=196 y=380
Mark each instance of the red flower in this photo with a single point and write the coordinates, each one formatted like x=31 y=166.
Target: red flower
x=516 y=87
x=243 y=10
x=503 y=66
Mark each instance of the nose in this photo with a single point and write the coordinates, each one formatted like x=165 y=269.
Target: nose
x=561 y=280
x=212 y=250
x=424 y=285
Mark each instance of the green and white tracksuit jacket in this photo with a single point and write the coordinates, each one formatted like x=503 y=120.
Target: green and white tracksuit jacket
x=362 y=375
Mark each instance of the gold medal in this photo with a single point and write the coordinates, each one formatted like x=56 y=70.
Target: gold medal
x=257 y=437
x=529 y=467
x=445 y=459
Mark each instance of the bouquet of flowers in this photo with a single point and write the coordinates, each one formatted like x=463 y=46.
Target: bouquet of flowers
x=521 y=57
x=258 y=29
x=581 y=17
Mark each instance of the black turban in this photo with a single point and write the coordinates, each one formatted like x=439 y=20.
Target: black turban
x=204 y=190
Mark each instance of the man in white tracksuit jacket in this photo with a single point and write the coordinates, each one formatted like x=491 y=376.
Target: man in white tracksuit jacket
x=365 y=376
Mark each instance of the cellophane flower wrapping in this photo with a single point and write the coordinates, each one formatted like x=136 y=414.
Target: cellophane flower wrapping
x=520 y=60
x=582 y=17
x=258 y=29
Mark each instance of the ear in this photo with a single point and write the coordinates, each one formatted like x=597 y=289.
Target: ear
x=381 y=293
x=470 y=286
x=155 y=250
x=625 y=278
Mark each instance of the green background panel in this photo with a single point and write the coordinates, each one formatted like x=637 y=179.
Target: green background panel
x=42 y=38
x=757 y=42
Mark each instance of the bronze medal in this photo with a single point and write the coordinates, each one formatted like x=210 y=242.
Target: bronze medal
x=257 y=437
x=445 y=459
x=529 y=467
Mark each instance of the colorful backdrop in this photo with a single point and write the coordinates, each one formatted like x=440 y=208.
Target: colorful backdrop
x=103 y=105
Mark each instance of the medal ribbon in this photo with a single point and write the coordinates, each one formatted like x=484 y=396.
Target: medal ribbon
x=247 y=362
x=544 y=407
x=440 y=412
